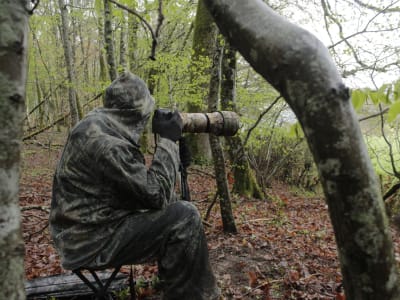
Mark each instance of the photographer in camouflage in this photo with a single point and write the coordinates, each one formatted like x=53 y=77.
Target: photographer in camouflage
x=109 y=209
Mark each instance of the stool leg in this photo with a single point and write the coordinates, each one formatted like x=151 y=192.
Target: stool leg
x=86 y=281
x=132 y=284
x=109 y=280
x=100 y=292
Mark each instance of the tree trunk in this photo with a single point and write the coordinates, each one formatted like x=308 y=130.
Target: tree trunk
x=133 y=26
x=245 y=182
x=122 y=44
x=204 y=35
x=228 y=222
x=73 y=106
x=85 y=53
x=13 y=71
x=301 y=69
x=39 y=121
x=108 y=40
x=100 y=28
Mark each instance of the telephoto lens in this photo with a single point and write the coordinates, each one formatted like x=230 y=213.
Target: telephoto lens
x=225 y=123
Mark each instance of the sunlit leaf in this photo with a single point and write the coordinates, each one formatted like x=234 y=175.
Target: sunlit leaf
x=386 y=91
x=394 y=111
x=358 y=98
x=376 y=97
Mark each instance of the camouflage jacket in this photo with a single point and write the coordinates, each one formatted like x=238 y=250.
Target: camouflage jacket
x=101 y=178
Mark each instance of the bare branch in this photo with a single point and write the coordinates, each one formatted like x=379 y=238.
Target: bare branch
x=36 y=207
x=60 y=119
x=371 y=7
x=158 y=28
x=391 y=155
x=154 y=34
x=391 y=191
x=365 y=29
x=374 y=115
x=260 y=118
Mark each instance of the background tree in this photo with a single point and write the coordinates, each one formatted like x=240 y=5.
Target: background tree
x=13 y=70
x=205 y=32
x=69 y=61
x=285 y=55
x=228 y=221
x=245 y=182
x=109 y=41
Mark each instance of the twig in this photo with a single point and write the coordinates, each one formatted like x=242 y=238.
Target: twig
x=35 y=5
x=39 y=231
x=374 y=115
x=37 y=207
x=391 y=155
x=147 y=25
x=382 y=10
x=29 y=136
x=210 y=207
x=259 y=119
x=254 y=220
x=391 y=191
x=206 y=223
x=267 y=282
x=194 y=170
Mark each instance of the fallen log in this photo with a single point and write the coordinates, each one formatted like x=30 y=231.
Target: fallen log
x=69 y=285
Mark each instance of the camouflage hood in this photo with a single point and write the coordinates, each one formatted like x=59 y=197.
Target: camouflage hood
x=128 y=104
x=130 y=121
x=129 y=91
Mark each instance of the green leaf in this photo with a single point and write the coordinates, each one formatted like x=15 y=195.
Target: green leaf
x=295 y=130
x=394 y=111
x=396 y=91
x=98 y=6
x=385 y=91
x=358 y=98
x=375 y=96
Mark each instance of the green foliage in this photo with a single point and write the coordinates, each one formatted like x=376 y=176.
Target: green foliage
x=379 y=152
x=394 y=111
x=358 y=98
x=387 y=95
x=295 y=130
x=279 y=155
x=122 y=295
x=174 y=88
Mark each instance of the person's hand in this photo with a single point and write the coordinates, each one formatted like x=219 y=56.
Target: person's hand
x=168 y=124
x=184 y=153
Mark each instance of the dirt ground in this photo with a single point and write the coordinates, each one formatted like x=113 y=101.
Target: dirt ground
x=284 y=249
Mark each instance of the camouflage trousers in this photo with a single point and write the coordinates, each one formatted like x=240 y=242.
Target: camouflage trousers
x=173 y=236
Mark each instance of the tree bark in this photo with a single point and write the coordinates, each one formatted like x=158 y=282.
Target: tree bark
x=100 y=28
x=72 y=97
x=205 y=32
x=245 y=182
x=133 y=26
x=228 y=221
x=13 y=71
x=301 y=69
x=109 y=43
x=122 y=44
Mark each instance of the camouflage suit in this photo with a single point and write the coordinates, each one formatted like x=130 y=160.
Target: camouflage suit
x=108 y=209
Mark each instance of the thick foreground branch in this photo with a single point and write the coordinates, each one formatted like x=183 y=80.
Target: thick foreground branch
x=300 y=67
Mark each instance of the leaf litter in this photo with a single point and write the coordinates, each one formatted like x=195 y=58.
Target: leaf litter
x=285 y=246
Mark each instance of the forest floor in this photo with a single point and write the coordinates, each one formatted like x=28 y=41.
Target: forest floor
x=284 y=248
